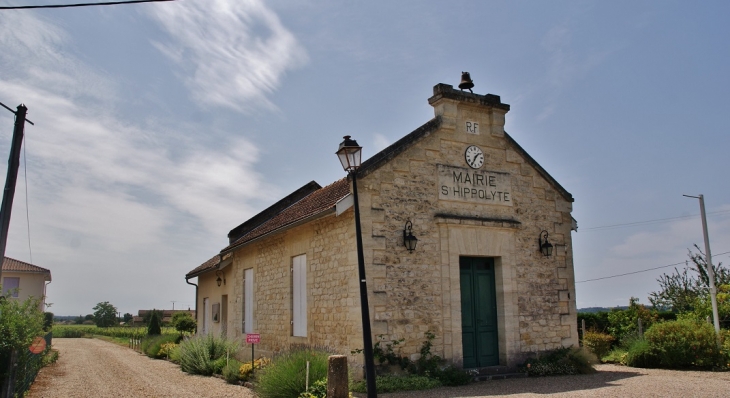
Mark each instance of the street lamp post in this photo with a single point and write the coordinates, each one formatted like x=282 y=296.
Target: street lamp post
x=350 y=155
x=708 y=263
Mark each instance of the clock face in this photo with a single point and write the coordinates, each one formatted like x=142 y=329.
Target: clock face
x=474 y=157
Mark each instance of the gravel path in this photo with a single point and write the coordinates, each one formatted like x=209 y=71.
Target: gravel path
x=96 y=368
x=610 y=381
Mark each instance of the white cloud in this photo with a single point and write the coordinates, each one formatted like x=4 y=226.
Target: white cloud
x=380 y=142
x=233 y=52
x=109 y=199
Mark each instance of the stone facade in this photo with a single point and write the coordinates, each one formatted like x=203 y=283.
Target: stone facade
x=495 y=211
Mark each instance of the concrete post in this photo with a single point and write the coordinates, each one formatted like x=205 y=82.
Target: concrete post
x=337 y=380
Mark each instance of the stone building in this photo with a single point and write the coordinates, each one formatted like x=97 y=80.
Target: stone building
x=479 y=206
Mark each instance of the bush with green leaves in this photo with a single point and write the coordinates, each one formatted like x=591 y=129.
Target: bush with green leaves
x=684 y=343
x=393 y=383
x=623 y=322
x=318 y=389
x=641 y=354
x=285 y=377
x=599 y=343
x=232 y=371
x=563 y=361
x=151 y=345
x=428 y=364
x=20 y=323
x=183 y=322
x=206 y=355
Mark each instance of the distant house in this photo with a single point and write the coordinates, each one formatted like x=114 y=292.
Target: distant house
x=22 y=280
x=166 y=316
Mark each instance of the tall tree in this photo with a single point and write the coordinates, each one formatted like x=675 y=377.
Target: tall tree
x=105 y=315
x=680 y=291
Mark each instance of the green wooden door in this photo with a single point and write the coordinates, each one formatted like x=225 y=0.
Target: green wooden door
x=478 y=312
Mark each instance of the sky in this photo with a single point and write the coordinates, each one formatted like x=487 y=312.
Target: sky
x=160 y=127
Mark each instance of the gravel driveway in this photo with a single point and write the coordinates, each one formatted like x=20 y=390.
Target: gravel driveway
x=95 y=368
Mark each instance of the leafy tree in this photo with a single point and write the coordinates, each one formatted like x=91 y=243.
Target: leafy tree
x=127 y=317
x=105 y=315
x=154 y=328
x=680 y=291
x=623 y=322
x=20 y=323
x=89 y=317
x=79 y=320
x=184 y=322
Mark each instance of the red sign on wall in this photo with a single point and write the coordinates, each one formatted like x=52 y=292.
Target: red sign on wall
x=253 y=338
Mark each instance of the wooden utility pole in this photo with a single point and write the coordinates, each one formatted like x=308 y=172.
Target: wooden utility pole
x=11 y=179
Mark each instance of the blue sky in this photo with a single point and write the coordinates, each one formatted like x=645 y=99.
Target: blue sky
x=159 y=127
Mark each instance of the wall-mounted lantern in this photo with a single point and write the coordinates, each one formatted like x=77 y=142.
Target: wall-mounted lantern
x=220 y=273
x=409 y=241
x=545 y=247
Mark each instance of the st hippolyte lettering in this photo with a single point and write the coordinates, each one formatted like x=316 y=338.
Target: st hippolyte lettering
x=480 y=186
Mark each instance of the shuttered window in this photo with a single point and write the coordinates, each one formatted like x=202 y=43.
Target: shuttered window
x=299 y=295
x=248 y=301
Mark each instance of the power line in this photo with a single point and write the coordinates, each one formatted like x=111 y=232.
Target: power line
x=637 y=272
x=106 y=3
x=658 y=220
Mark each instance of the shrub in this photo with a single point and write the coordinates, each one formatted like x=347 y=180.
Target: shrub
x=183 y=322
x=154 y=328
x=563 y=361
x=152 y=345
x=202 y=354
x=428 y=364
x=318 y=389
x=684 y=343
x=246 y=370
x=641 y=355
x=623 y=322
x=285 y=377
x=598 y=343
x=68 y=333
x=391 y=383
x=231 y=371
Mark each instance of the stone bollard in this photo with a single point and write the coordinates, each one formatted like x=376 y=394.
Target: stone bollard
x=337 y=381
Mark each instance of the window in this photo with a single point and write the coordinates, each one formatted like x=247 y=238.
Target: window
x=11 y=286
x=299 y=295
x=248 y=300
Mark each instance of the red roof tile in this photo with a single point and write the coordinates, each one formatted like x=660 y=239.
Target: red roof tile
x=11 y=264
x=316 y=202
x=205 y=267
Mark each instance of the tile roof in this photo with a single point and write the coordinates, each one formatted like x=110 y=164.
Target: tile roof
x=11 y=264
x=317 y=202
x=205 y=267
x=314 y=203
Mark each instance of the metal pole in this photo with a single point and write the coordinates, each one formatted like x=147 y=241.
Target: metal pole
x=365 y=310
x=708 y=263
x=11 y=179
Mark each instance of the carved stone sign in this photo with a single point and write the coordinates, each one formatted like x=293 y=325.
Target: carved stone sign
x=476 y=186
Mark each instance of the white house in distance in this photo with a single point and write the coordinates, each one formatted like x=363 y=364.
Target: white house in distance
x=22 y=280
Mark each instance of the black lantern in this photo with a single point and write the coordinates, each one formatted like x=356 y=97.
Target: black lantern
x=219 y=280
x=545 y=247
x=409 y=241
x=350 y=154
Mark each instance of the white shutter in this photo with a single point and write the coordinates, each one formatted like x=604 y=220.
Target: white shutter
x=299 y=297
x=248 y=301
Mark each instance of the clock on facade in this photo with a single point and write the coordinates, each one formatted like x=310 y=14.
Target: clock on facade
x=474 y=156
